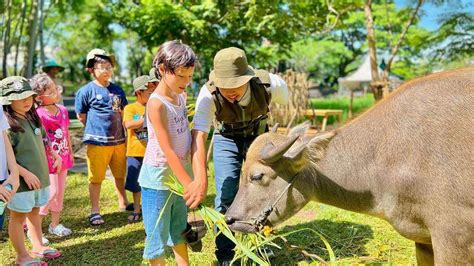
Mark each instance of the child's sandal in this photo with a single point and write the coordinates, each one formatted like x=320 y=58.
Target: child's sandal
x=134 y=218
x=95 y=219
x=49 y=254
x=34 y=261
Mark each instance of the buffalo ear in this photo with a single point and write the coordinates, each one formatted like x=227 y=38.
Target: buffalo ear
x=296 y=150
x=300 y=130
x=271 y=153
x=296 y=157
x=319 y=143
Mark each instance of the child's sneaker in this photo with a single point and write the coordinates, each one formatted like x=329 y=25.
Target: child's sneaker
x=43 y=239
x=59 y=230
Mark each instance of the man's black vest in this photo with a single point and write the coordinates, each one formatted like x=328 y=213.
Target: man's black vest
x=236 y=120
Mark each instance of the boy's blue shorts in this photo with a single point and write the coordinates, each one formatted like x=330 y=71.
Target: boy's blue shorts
x=167 y=231
x=134 y=164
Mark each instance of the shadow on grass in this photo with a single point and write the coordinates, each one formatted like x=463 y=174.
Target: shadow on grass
x=115 y=242
x=346 y=240
x=104 y=248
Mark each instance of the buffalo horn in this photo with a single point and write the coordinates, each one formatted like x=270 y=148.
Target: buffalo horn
x=274 y=128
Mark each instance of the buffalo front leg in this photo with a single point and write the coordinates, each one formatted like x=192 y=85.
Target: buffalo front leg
x=424 y=254
x=452 y=247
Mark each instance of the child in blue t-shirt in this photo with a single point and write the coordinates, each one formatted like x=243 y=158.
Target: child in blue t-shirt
x=99 y=106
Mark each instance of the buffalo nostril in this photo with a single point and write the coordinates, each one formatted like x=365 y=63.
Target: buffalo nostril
x=229 y=220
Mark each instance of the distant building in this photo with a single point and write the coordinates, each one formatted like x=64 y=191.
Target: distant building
x=359 y=80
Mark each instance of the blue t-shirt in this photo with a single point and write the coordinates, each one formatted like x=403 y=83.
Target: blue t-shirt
x=103 y=107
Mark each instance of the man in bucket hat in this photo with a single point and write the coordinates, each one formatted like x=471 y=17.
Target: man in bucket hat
x=237 y=96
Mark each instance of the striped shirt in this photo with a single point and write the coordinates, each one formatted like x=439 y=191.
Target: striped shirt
x=178 y=128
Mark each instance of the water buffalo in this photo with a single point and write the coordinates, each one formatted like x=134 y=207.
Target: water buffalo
x=408 y=160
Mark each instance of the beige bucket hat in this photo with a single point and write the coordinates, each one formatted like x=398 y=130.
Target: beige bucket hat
x=231 y=69
x=139 y=83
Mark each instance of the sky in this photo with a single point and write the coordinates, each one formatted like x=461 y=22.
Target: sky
x=432 y=13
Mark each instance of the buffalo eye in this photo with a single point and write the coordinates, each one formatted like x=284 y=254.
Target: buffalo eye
x=256 y=177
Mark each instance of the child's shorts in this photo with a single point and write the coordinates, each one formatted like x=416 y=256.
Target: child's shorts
x=167 y=232
x=134 y=164
x=99 y=157
x=24 y=202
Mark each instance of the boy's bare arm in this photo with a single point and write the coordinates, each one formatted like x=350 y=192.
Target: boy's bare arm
x=82 y=117
x=133 y=124
x=198 y=156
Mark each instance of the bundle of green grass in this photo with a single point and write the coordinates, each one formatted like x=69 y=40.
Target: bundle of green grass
x=249 y=248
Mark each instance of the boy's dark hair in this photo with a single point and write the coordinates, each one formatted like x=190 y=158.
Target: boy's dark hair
x=173 y=55
x=12 y=117
x=98 y=60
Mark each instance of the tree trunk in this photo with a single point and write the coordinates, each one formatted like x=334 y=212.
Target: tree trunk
x=20 y=35
x=402 y=38
x=33 y=23
x=40 y=32
x=376 y=89
x=6 y=39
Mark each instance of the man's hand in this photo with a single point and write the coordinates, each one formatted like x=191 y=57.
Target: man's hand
x=5 y=194
x=32 y=181
x=194 y=193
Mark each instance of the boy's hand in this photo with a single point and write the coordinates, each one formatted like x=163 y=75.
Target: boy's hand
x=5 y=195
x=32 y=181
x=194 y=193
x=57 y=162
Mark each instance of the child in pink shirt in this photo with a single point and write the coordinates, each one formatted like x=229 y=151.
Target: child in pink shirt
x=55 y=120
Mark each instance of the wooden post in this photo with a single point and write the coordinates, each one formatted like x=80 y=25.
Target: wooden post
x=351 y=103
x=325 y=121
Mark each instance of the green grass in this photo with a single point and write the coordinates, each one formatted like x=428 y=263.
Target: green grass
x=355 y=238
x=360 y=104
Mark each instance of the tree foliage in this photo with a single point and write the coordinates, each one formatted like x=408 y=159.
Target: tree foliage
x=264 y=29
x=455 y=37
x=323 y=37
